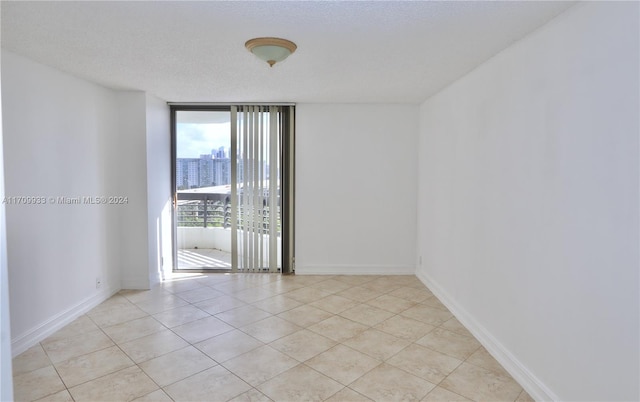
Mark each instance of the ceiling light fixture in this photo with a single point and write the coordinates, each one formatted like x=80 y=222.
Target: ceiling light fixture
x=271 y=50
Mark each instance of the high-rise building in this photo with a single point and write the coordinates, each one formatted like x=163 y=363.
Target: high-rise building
x=205 y=171
x=221 y=171
x=219 y=154
x=187 y=173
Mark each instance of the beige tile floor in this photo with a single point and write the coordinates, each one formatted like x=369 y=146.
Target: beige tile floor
x=262 y=337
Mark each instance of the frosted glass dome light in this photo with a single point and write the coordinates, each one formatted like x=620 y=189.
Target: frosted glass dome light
x=271 y=50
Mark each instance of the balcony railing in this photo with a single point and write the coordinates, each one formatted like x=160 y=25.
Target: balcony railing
x=211 y=210
x=203 y=210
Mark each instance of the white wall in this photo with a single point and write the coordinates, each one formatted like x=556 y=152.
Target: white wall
x=54 y=127
x=158 y=188
x=355 y=188
x=140 y=160
x=68 y=137
x=131 y=166
x=528 y=204
x=6 y=377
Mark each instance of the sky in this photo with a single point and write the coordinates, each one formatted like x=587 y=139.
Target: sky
x=195 y=139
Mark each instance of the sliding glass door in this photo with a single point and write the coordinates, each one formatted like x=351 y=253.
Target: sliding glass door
x=202 y=189
x=233 y=188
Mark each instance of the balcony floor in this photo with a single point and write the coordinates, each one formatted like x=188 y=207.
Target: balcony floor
x=200 y=258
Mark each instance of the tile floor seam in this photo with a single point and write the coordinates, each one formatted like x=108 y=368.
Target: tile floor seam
x=123 y=322
x=97 y=378
x=148 y=376
x=133 y=339
x=238 y=377
x=445 y=377
x=54 y=368
x=400 y=368
x=57 y=373
x=190 y=343
x=60 y=377
x=116 y=343
x=46 y=354
x=482 y=367
x=137 y=364
x=448 y=354
x=354 y=380
x=335 y=393
x=364 y=396
x=475 y=400
x=182 y=379
x=349 y=319
x=69 y=389
x=462 y=396
x=84 y=354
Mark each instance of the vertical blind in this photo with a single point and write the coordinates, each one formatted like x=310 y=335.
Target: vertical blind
x=257 y=134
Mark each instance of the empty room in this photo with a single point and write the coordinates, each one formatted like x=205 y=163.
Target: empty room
x=320 y=201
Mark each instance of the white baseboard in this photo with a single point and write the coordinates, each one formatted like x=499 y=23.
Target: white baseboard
x=23 y=342
x=534 y=387
x=356 y=270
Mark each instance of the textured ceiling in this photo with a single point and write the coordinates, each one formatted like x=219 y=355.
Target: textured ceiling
x=392 y=52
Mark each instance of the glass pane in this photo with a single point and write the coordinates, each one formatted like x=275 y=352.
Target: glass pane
x=203 y=178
